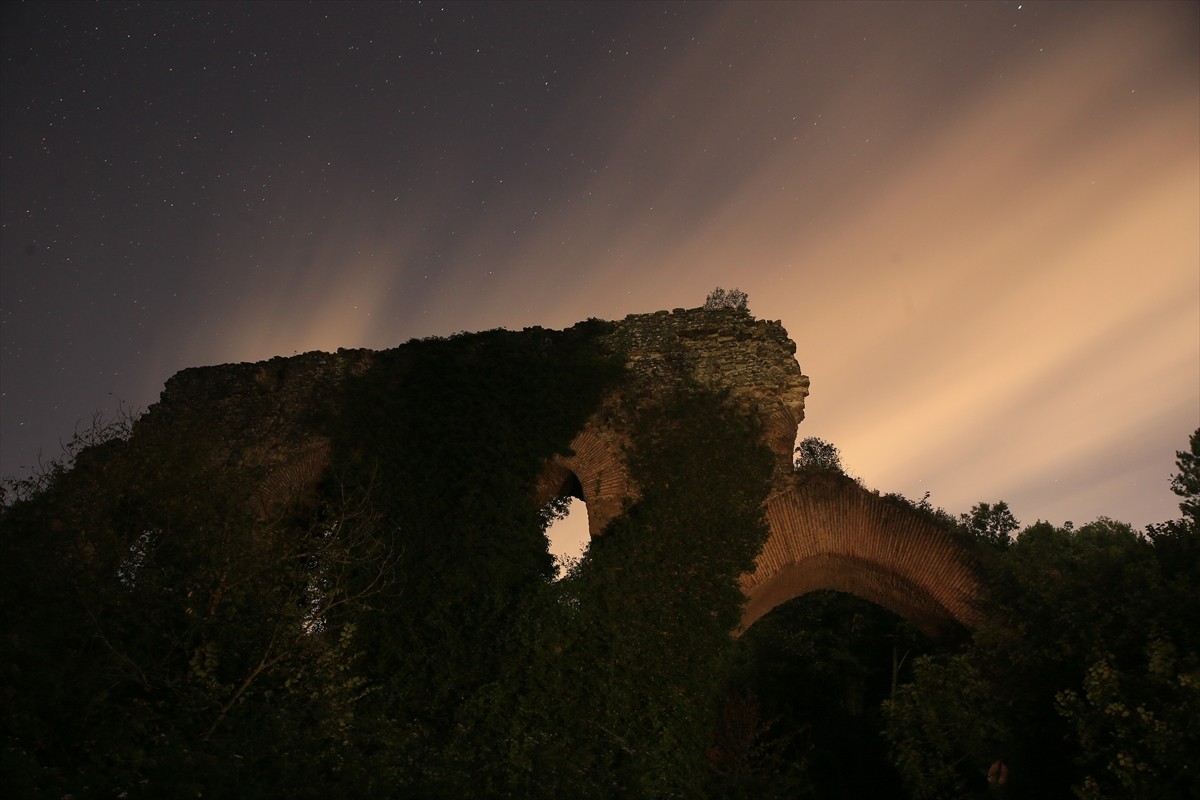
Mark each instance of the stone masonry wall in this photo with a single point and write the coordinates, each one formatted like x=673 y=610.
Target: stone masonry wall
x=721 y=349
x=257 y=417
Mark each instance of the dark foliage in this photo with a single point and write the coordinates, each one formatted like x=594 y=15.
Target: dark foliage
x=1084 y=680
x=400 y=634
x=814 y=453
x=610 y=683
x=818 y=669
x=160 y=641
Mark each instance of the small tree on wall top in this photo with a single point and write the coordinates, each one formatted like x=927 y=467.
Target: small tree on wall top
x=718 y=298
x=814 y=453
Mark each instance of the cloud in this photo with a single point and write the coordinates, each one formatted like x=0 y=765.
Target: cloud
x=982 y=237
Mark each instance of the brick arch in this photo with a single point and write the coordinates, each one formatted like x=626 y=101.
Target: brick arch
x=826 y=532
x=594 y=472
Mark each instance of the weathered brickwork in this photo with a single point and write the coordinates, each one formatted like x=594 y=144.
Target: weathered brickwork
x=724 y=349
x=827 y=532
x=257 y=418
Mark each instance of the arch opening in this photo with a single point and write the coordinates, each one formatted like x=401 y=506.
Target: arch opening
x=568 y=536
x=571 y=487
x=567 y=524
x=816 y=670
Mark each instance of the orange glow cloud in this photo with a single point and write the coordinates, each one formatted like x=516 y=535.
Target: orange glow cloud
x=990 y=263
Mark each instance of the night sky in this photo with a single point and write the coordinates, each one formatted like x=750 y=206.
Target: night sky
x=980 y=222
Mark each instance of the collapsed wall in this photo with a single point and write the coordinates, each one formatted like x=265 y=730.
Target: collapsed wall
x=260 y=422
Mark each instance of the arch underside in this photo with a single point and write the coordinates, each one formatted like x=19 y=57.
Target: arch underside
x=827 y=532
x=594 y=472
x=859 y=578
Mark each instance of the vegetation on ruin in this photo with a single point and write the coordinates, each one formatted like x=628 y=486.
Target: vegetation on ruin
x=734 y=299
x=399 y=633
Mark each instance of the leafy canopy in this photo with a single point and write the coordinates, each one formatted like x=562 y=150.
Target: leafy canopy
x=735 y=299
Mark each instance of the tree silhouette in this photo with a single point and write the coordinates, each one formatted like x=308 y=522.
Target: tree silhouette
x=814 y=453
x=718 y=298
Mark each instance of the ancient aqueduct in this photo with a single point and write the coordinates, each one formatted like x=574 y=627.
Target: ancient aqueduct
x=824 y=534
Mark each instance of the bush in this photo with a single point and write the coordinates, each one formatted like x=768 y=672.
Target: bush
x=718 y=299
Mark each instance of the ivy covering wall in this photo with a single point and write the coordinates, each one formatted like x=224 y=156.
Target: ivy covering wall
x=397 y=632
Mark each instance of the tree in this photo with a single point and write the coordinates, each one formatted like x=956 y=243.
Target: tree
x=718 y=299
x=993 y=524
x=166 y=641
x=814 y=453
x=1186 y=483
x=1084 y=676
x=103 y=432
x=1177 y=541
